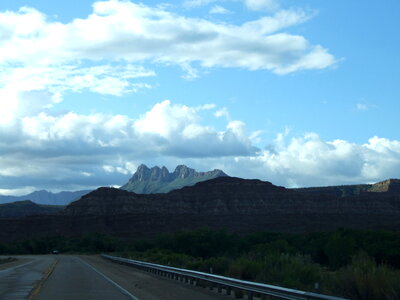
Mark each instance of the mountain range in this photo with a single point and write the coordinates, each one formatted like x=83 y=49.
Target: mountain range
x=143 y=181
x=46 y=198
x=236 y=204
x=160 y=180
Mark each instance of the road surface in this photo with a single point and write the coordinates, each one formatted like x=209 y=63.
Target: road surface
x=19 y=278
x=73 y=278
x=67 y=277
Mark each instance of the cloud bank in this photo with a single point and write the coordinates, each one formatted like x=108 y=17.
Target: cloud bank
x=73 y=150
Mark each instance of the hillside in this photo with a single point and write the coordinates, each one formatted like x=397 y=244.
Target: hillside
x=235 y=204
x=160 y=180
x=26 y=208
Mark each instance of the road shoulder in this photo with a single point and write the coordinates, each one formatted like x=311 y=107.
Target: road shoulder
x=149 y=286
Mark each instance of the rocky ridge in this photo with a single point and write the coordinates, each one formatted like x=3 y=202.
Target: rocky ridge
x=160 y=180
x=231 y=203
x=387 y=186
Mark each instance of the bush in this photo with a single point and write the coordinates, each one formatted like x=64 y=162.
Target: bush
x=364 y=280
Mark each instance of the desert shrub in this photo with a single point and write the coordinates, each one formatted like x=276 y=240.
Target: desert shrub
x=245 y=268
x=293 y=271
x=215 y=265
x=364 y=279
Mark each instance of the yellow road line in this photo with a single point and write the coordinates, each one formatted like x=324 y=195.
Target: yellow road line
x=40 y=283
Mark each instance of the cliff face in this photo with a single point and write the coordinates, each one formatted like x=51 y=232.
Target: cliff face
x=224 y=202
x=160 y=180
x=391 y=186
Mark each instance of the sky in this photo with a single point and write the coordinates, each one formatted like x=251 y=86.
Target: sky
x=295 y=92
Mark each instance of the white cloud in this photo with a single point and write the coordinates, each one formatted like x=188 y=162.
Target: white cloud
x=26 y=91
x=17 y=191
x=269 y=5
x=72 y=147
x=79 y=151
x=218 y=9
x=222 y=112
x=310 y=161
x=123 y=30
x=41 y=60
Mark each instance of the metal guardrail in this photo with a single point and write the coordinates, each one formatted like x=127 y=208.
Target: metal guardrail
x=252 y=289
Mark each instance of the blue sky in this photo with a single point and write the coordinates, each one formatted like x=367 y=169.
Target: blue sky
x=299 y=93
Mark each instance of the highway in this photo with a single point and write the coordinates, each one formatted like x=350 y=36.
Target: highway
x=67 y=277
x=18 y=279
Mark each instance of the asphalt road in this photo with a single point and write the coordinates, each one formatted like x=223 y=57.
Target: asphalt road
x=73 y=279
x=18 y=279
x=67 y=277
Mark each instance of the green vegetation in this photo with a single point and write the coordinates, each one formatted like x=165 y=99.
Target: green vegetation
x=357 y=264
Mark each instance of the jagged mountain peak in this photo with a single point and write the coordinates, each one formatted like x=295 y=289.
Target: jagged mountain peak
x=160 y=180
x=183 y=171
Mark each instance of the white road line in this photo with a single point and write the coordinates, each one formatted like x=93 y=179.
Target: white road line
x=19 y=266
x=109 y=280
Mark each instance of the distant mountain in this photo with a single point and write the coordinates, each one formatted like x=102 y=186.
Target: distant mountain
x=160 y=180
x=47 y=198
x=26 y=208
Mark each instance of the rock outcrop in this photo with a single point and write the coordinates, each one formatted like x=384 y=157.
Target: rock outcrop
x=160 y=180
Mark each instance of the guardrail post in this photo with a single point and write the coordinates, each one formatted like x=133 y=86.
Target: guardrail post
x=250 y=295
x=239 y=294
x=228 y=290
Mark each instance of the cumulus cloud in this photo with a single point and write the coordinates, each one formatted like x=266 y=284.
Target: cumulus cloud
x=80 y=151
x=310 y=161
x=28 y=90
x=123 y=30
x=77 y=148
x=41 y=59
